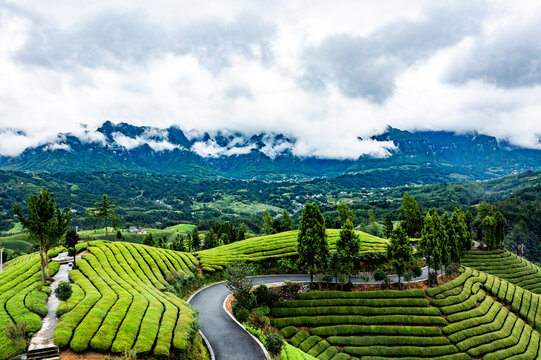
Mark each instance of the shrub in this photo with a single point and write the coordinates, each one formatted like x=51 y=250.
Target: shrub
x=16 y=333
x=364 y=277
x=379 y=275
x=263 y=310
x=451 y=269
x=416 y=271
x=288 y=331
x=263 y=295
x=258 y=320
x=171 y=277
x=274 y=343
x=433 y=277
x=242 y=315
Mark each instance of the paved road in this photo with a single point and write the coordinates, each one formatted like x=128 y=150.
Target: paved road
x=44 y=337
x=227 y=339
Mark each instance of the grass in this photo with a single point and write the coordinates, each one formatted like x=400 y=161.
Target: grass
x=123 y=303
x=273 y=246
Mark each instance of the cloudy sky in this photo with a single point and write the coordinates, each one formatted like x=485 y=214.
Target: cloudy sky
x=324 y=72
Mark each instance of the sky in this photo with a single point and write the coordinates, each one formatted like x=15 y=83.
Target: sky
x=323 y=72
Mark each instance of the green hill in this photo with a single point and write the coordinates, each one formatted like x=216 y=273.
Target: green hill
x=274 y=246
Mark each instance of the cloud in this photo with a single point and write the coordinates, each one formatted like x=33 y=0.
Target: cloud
x=367 y=66
x=317 y=72
x=119 y=38
x=507 y=57
x=153 y=138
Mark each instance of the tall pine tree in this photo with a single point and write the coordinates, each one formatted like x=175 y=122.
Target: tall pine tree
x=348 y=247
x=411 y=216
x=400 y=252
x=387 y=226
x=312 y=245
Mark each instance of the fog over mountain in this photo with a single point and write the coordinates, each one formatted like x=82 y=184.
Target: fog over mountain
x=321 y=73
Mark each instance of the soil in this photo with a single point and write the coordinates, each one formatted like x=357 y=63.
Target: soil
x=89 y=355
x=229 y=303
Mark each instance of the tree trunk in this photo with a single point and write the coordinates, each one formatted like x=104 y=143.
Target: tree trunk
x=311 y=279
x=428 y=275
x=106 y=232
x=47 y=263
x=42 y=267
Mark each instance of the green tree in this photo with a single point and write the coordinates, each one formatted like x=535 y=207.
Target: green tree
x=411 y=216
x=239 y=281
x=196 y=241
x=268 y=224
x=429 y=246
x=211 y=240
x=344 y=213
x=468 y=218
x=490 y=232
x=335 y=265
x=118 y=235
x=387 y=226
x=287 y=223
x=274 y=343
x=348 y=247
x=400 y=252
x=63 y=292
x=500 y=229
x=312 y=245
x=241 y=232
x=461 y=236
x=447 y=241
x=72 y=238
x=45 y=223
x=148 y=240
x=104 y=210
x=178 y=243
x=162 y=242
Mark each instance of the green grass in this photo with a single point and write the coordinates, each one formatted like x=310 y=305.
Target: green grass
x=122 y=302
x=274 y=246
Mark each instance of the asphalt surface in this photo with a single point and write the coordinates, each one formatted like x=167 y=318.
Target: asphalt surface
x=228 y=340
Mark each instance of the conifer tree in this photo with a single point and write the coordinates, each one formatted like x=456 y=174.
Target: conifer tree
x=268 y=225
x=105 y=210
x=447 y=240
x=387 y=226
x=287 y=223
x=411 y=216
x=148 y=240
x=429 y=246
x=312 y=245
x=344 y=213
x=348 y=247
x=462 y=237
x=400 y=252
x=490 y=232
x=500 y=229
x=196 y=242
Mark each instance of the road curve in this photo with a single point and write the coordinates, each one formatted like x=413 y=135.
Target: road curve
x=226 y=338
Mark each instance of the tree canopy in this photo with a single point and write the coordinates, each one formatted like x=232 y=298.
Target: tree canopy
x=312 y=245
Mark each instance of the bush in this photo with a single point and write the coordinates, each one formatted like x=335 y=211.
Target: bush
x=16 y=333
x=289 y=331
x=263 y=295
x=364 y=277
x=263 y=310
x=379 y=275
x=242 y=315
x=258 y=320
x=433 y=277
x=416 y=271
x=171 y=277
x=274 y=343
x=451 y=269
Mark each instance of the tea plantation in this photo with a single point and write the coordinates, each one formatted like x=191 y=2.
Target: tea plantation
x=119 y=302
x=476 y=315
x=274 y=246
x=22 y=299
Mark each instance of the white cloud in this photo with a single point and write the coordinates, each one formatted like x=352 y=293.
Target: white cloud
x=249 y=80
x=147 y=138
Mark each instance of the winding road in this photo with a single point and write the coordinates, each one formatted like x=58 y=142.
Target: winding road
x=226 y=338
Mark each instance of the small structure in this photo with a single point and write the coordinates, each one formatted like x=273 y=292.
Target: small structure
x=136 y=230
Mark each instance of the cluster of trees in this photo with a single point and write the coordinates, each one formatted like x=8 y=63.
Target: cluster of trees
x=189 y=242
x=222 y=233
x=279 y=224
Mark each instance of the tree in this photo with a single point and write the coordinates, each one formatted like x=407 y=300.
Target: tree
x=45 y=223
x=162 y=242
x=105 y=210
x=447 y=240
x=118 y=235
x=268 y=225
x=63 y=292
x=211 y=240
x=387 y=226
x=500 y=228
x=148 y=240
x=344 y=213
x=287 y=223
x=400 y=252
x=178 y=243
x=196 y=242
x=348 y=247
x=490 y=232
x=429 y=246
x=274 y=343
x=411 y=216
x=468 y=218
x=241 y=235
x=522 y=241
x=72 y=238
x=312 y=245
x=335 y=265
x=239 y=281
x=461 y=240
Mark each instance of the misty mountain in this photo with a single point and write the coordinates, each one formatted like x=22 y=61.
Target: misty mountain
x=416 y=158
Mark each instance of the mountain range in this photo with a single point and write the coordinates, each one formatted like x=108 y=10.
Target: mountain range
x=420 y=157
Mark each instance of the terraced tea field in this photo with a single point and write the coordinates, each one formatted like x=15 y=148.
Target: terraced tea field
x=477 y=315
x=274 y=246
x=506 y=265
x=22 y=299
x=119 y=301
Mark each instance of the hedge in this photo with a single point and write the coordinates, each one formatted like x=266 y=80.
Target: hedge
x=406 y=302
x=354 y=310
x=358 y=319
x=376 y=294
x=479 y=330
x=328 y=353
x=309 y=342
x=318 y=348
x=376 y=330
x=388 y=340
x=289 y=331
x=401 y=351
x=299 y=338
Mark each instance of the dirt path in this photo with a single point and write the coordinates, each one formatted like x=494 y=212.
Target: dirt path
x=44 y=337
